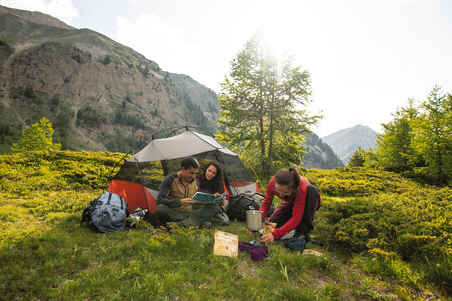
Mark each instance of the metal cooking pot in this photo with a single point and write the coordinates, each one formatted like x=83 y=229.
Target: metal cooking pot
x=254 y=220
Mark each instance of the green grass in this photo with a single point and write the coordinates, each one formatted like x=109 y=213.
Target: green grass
x=47 y=255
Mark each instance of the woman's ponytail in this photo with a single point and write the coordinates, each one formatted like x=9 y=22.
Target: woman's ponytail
x=296 y=175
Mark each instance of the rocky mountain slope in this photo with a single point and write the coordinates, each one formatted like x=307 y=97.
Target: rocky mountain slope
x=99 y=94
x=319 y=154
x=345 y=142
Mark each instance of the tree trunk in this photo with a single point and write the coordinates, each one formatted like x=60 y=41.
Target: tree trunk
x=269 y=160
x=261 y=135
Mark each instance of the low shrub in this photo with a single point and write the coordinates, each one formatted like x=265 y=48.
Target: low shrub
x=387 y=213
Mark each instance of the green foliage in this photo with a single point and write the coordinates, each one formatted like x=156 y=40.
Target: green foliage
x=56 y=170
x=194 y=113
x=29 y=92
x=125 y=144
x=418 y=141
x=38 y=137
x=90 y=117
x=262 y=110
x=106 y=60
x=387 y=214
x=394 y=148
x=357 y=181
x=62 y=129
x=42 y=195
x=7 y=135
x=433 y=136
x=5 y=50
x=122 y=117
x=9 y=129
x=358 y=158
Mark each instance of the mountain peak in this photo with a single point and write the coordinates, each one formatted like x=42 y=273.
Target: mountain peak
x=346 y=141
x=360 y=126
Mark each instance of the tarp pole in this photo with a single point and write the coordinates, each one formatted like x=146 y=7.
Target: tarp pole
x=151 y=215
x=115 y=165
x=164 y=167
x=225 y=177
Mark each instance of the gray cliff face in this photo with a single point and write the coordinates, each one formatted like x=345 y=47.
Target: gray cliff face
x=345 y=142
x=99 y=94
x=319 y=154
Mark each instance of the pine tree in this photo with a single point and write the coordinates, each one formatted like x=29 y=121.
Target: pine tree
x=394 y=148
x=433 y=136
x=358 y=158
x=37 y=137
x=419 y=140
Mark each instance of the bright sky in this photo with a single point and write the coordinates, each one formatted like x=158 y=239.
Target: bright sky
x=366 y=57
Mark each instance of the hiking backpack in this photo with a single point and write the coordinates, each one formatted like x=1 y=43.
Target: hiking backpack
x=312 y=204
x=239 y=204
x=107 y=213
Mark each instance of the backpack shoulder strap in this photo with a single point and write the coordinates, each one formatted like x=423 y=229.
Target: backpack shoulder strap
x=109 y=198
x=122 y=202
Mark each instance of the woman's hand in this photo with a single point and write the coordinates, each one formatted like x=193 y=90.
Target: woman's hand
x=268 y=237
x=217 y=195
x=248 y=232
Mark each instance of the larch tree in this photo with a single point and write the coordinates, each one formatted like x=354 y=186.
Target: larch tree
x=37 y=137
x=433 y=136
x=263 y=110
x=394 y=147
x=358 y=158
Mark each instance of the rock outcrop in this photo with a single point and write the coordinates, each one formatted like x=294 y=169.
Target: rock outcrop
x=99 y=94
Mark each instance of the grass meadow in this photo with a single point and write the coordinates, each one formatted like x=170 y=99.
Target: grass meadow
x=382 y=237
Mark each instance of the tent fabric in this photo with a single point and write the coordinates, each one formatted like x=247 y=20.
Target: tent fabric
x=136 y=195
x=180 y=146
x=139 y=178
x=243 y=187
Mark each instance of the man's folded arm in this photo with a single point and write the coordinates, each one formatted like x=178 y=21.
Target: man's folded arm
x=165 y=189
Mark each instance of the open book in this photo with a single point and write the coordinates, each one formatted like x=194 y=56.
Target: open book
x=208 y=198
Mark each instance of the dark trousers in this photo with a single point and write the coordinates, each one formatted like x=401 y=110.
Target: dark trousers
x=199 y=215
x=283 y=213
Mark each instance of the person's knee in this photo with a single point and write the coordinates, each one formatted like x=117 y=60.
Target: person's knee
x=161 y=208
x=162 y=212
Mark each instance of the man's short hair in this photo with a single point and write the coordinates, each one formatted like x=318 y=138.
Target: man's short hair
x=188 y=163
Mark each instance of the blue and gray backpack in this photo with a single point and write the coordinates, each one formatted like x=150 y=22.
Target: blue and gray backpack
x=106 y=213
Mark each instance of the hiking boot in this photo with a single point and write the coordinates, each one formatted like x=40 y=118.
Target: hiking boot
x=295 y=244
x=206 y=225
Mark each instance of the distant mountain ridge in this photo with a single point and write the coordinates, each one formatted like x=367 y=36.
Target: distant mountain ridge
x=345 y=142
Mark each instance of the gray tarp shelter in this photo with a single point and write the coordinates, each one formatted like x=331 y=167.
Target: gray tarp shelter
x=140 y=176
x=187 y=144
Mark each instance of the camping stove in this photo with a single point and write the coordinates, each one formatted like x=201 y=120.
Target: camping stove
x=254 y=224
